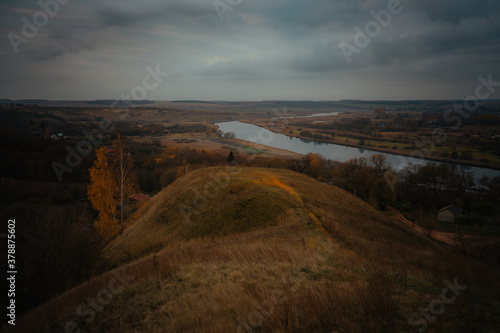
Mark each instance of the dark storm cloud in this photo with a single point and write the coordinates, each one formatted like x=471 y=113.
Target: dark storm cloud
x=72 y=29
x=77 y=25
x=462 y=30
x=455 y=11
x=477 y=35
x=324 y=57
x=258 y=41
x=289 y=17
x=131 y=12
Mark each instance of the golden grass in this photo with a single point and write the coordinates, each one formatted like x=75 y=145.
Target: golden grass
x=362 y=273
x=253 y=198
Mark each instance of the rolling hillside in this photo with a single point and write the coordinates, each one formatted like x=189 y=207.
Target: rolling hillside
x=251 y=249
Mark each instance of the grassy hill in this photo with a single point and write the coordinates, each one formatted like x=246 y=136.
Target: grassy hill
x=251 y=249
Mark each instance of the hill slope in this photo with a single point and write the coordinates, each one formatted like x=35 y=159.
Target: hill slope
x=224 y=250
x=220 y=201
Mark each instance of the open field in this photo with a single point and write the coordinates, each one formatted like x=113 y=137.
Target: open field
x=412 y=126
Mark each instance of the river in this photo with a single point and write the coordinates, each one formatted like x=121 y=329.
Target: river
x=334 y=152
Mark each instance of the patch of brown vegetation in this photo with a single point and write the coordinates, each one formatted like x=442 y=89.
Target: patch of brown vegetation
x=282 y=276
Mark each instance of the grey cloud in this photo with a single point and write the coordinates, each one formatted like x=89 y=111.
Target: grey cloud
x=454 y=40
x=79 y=26
x=454 y=11
x=294 y=41
x=131 y=12
x=240 y=69
x=295 y=18
x=324 y=57
x=401 y=42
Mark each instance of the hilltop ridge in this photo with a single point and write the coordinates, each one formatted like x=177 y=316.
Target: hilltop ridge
x=244 y=249
x=219 y=201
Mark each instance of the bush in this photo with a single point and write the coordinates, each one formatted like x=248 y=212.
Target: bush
x=467 y=155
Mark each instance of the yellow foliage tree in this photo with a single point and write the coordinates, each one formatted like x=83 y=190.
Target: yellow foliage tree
x=183 y=169
x=112 y=182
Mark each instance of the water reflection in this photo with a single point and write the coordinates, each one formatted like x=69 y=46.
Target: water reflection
x=331 y=151
x=323 y=114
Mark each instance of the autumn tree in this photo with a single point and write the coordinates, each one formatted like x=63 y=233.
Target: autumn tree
x=426 y=220
x=313 y=165
x=366 y=178
x=183 y=169
x=350 y=174
x=316 y=166
x=433 y=186
x=112 y=182
x=380 y=164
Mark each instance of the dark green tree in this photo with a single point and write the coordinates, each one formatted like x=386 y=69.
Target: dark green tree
x=230 y=157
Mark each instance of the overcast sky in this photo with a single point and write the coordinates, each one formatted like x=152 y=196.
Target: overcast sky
x=248 y=49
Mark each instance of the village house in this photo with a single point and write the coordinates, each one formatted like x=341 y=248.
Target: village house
x=449 y=213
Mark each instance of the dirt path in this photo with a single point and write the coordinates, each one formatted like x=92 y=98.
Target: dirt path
x=446 y=237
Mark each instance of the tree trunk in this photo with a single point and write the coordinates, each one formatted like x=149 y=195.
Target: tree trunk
x=122 y=184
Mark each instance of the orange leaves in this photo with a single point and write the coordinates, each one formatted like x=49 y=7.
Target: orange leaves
x=112 y=182
x=273 y=181
x=182 y=170
x=102 y=192
x=107 y=226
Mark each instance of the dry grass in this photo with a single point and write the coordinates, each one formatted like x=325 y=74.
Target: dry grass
x=360 y=272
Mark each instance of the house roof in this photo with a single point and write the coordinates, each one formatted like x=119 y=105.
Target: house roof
x=140 y=197
x=452 y=208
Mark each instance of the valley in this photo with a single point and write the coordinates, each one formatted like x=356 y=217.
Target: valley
x=235 y=235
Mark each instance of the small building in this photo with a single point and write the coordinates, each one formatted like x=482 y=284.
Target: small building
x=449 y=213
x=140 y=197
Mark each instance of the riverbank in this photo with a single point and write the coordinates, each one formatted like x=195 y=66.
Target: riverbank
x=200 y=141
x=413 y=152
